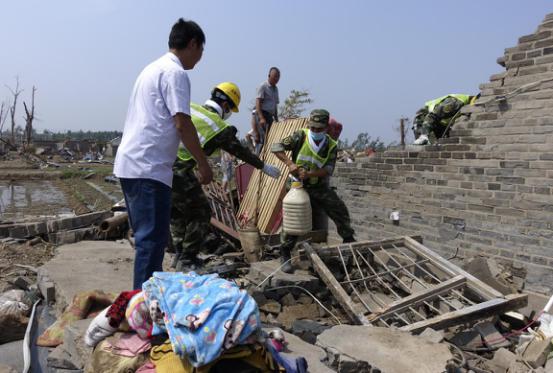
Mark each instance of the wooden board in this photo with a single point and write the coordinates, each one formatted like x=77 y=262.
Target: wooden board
x=263 y=198
x=355 y=315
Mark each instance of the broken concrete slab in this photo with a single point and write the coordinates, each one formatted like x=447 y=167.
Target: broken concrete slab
x=12 y=353
x=431 y=335
x=487 y=270
x=270 y=306
x=259 y=271
x=502 y=360
x=536 y=352
x=105 y=265
x=290 y=314
x=308 y=330
x=390 y=350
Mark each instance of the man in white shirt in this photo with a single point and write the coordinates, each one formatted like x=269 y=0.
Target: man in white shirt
x=158 y=118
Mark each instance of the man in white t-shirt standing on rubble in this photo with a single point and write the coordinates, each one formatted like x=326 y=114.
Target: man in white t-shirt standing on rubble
x=158 y=118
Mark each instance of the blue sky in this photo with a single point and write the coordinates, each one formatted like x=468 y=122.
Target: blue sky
x=367 y=62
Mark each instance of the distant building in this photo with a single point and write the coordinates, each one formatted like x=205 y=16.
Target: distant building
x=112 y=146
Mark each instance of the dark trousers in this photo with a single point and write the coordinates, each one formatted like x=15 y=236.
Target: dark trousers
x=263 y=131
x=149 y=206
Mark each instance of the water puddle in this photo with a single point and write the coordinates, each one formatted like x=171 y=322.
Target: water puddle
x=24 y=198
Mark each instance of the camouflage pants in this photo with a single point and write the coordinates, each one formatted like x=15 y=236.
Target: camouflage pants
x=436 y=122
x=326 y=199
x=190 y=212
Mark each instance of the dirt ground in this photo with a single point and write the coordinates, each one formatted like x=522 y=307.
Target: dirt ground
x=27 y=192
x=17 y=259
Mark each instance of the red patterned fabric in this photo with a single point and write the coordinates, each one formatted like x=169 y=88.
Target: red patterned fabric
x=116 y=312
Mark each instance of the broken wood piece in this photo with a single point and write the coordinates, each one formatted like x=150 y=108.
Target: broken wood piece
x=472 y=282
x=419 y=297
x=475 y=312
x=355 y=315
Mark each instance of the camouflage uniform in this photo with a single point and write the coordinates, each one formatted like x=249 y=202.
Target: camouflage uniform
x=436 y=121
x=190 y=212
x=322 y=196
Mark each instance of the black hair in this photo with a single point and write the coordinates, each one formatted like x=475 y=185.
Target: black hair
x=183 y=32
x=274 y=68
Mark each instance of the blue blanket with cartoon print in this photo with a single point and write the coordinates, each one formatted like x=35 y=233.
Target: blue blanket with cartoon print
x=203 y=314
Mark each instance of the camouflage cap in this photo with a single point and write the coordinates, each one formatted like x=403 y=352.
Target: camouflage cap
x=318 y=118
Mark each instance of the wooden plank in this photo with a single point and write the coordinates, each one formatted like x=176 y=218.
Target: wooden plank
x=228 y=230
x=414 y=299
x=484 y=289
x=263 y=195
x=478 y=311
x=356 y=316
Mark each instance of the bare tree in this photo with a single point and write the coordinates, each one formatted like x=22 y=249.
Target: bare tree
x=15 y=92
x=29 y=117
x=3 y=116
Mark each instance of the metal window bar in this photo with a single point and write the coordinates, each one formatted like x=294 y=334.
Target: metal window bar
x=390 y=288
x=422 y=283
x=456 y=292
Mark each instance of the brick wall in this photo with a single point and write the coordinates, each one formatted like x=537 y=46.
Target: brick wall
x=486 y=189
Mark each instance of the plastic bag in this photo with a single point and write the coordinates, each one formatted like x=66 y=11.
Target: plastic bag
x=11 y=303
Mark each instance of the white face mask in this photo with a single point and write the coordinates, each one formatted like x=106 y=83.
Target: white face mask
x=317 y=136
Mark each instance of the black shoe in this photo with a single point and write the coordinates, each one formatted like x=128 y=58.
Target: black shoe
x=285 y=260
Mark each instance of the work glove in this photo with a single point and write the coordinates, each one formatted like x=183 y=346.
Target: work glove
x=271 y=170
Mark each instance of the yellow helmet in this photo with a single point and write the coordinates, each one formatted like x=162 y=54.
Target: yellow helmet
x=232 y=91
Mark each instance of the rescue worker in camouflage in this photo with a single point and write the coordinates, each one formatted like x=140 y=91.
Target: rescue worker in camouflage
x=436 y=115
x=190 y=212
x=314 y=155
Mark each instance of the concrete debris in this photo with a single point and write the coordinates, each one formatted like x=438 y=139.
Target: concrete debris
x=389 y=350
x=503 y=359
x=497 y=276
x=308 y=330
x=431 y=335
x=260 y=271
x=537 y=351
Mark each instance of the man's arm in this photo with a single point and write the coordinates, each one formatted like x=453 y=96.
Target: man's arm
x=227 y=141
x=189 y=138
x=288 y=143
x=294 y=169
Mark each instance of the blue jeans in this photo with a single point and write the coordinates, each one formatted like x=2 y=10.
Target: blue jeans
x=149 y=206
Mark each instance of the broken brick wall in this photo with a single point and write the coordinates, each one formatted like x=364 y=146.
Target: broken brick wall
x=485 y=189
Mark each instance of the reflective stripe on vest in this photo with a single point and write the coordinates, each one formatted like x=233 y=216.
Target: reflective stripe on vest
x=207 y=124
x=309 y=159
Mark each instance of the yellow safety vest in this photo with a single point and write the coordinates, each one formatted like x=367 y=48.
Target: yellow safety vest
x=309 y=159
x=432 y=103
x=208 y=124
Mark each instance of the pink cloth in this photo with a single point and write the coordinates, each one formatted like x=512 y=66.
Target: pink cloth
x=129 y=344
x=149 y=367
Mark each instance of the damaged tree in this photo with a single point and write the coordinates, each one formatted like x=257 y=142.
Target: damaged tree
x=29 y=117
x=15 y=92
